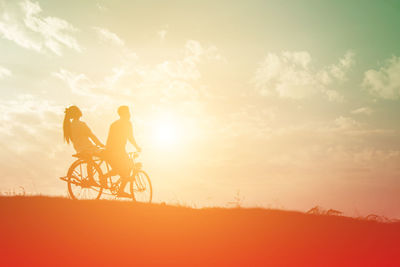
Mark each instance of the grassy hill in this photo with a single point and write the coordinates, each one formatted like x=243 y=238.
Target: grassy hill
x=56 y=231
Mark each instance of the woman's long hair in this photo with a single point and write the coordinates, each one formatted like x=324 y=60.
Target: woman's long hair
x=73 y=112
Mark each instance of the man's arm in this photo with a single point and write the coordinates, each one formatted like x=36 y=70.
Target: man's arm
x=132 y=139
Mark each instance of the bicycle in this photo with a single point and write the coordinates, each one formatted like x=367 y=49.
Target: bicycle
x=91 y=175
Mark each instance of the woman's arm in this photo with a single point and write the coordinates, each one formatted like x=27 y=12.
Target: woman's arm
x=95 y=139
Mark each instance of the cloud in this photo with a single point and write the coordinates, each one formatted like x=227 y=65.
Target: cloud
x=35 y=32
x=177 y=81
x=346 y=123
x=362 y=110
x=385 y=82
x=117 y=74
x=196 y=52
x=78 y=83
x=162 y=81
x=109 y=85
x=10 y=30
x=291 y=75
x=332 y=150
x=4 y=72
x=55 y=31
x=101 y=7
x=187 y=68
x=162 y=34
x=30 y=126
x=339 y=71
x=107 y=35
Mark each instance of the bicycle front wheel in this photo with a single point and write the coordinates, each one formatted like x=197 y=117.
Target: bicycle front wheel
x=84 y=180
x=141 y=188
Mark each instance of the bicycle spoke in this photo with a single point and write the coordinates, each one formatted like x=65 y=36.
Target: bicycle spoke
x=141 y=187
x=76 y=173
x=84 y=180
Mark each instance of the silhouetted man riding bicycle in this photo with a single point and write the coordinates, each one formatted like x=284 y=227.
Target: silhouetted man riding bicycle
x=120 y=132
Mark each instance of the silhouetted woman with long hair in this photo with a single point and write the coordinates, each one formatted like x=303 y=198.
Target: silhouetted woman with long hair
x=77 y=132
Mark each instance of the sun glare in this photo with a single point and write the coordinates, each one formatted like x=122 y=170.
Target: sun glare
x=166 y=132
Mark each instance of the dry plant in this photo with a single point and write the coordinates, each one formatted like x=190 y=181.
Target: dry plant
x=13 y=192
x=321 y=211
x=237 y=200
x=378 y=218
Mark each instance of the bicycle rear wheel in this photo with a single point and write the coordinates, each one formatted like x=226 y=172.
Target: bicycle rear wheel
x=84 y=180
x=141 y=188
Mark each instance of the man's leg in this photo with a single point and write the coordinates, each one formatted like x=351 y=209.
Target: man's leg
x=90 y=169
x=123 y=185
x=125 y=175
x=121 y=192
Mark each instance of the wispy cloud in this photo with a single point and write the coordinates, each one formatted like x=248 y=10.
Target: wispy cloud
x=28 y=125
x=101 y=7
x=341 y=144
x=78 y=83
x=291 y=75
x=11 y=30
x=162 y=34
x=33 y=31
x=187 y=68
x=107 y=35
x=174 y=82
x=346 y=123
x=4 y=72
x=362 y=110
x=384 y=82
x=55 y=31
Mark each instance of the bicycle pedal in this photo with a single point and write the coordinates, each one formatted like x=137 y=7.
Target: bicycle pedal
x=124 y=195
x=64 y=178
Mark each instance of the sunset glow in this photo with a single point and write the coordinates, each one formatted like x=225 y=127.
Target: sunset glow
x=167 y=133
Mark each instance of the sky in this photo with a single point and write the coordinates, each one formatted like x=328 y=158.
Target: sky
x=280 y=104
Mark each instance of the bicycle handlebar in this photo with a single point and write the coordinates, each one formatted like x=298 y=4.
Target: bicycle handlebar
x=134 y=154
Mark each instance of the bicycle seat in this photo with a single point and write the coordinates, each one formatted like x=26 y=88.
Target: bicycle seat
x=89 y=154
x=82 y=155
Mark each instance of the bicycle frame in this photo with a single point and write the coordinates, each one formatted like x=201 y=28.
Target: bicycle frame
x=106 y=177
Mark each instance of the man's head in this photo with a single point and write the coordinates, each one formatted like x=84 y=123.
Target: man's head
x=123 y=112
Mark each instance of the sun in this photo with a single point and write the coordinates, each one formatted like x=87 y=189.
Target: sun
x=166 y=132
x=171 y=132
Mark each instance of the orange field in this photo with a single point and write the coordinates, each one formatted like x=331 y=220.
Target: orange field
x=38 y=231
